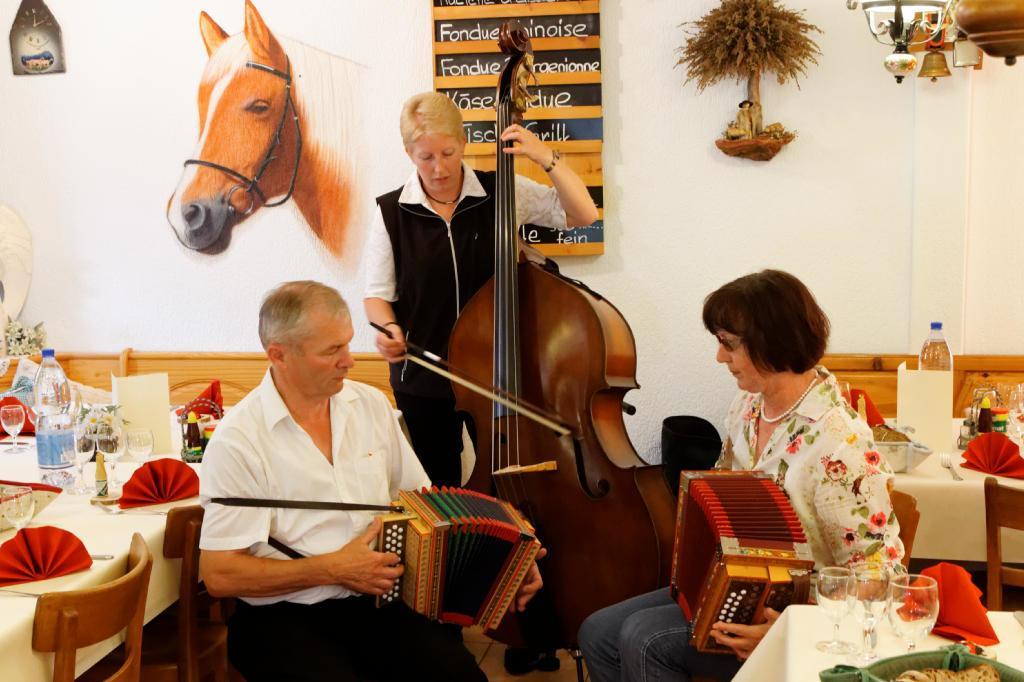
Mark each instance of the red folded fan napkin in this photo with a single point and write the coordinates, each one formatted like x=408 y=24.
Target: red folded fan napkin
x=29 y=427
x=994 y=453
x=961 y=614
x=875 y=417
x=41 y=553
x=162 y=480
x=42 y=494
x=213 y=394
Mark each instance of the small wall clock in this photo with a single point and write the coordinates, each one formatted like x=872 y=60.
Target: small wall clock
x=36 y=46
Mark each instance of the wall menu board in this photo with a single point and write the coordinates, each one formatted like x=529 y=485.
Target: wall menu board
x=566 y=37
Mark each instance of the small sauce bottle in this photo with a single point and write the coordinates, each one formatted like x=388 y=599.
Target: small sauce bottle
x=1000 y=419
x=192 y=445
x=101 y=476
x=985 y=416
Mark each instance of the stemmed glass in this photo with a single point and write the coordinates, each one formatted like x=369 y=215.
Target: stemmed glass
x=1016 y=415
x=914 y=608
x=871 y=596
x=85 y=448
x=17 y=505
x=140 y=444
x=835 y=592
x=13 y=419
x=111 y=444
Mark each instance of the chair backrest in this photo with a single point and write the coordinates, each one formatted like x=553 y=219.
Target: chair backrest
x=68 y=621
x=1004 y=508
x=905 y=507
x=181 y=541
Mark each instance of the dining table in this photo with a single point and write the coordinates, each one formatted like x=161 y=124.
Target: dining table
x=788 y=652
x=106 y=532
x=952 y=526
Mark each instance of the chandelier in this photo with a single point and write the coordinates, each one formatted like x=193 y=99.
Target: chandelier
x=901 y=24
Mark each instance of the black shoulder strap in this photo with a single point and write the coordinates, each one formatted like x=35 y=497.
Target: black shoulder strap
x=299 y=504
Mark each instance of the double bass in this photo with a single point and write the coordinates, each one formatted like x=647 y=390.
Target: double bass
x=605 y=516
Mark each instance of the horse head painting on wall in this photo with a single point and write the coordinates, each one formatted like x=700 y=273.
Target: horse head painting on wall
x=278 y=120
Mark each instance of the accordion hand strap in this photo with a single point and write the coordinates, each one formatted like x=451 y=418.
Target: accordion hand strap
x=299 y=504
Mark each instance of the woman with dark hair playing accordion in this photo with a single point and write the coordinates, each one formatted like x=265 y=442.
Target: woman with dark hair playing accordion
x=790 y=421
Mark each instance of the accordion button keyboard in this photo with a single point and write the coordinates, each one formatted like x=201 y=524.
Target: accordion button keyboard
x=741 y=602
x=393 y=534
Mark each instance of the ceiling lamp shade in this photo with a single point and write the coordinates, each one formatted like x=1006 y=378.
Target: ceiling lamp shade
x=913 y=22
x=996 y=26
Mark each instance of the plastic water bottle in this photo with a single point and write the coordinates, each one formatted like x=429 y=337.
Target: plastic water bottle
x=935 y=353
x=54 y=434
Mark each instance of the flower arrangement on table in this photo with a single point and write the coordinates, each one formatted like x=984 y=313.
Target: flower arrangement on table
x=100 y=422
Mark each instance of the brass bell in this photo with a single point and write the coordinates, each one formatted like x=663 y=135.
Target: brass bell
x=934 y=66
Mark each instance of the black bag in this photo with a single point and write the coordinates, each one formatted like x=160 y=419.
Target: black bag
x=687 y=443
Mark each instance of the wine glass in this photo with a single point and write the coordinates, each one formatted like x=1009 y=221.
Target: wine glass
x=17 y=505
x=85 y=448
x=140 y=444
x=871 y=597
x=111 y=444
x=13 y=419
x=914 y=608
x=835 y=592
x=1016 y=415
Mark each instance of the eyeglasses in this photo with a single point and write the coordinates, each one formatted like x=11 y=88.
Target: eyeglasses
x=729 y=343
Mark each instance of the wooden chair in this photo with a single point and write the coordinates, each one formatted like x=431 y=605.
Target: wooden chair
x=1004 y=508
x=905 y=507
x=179 y=645
x=68 y=621
x=188 y=647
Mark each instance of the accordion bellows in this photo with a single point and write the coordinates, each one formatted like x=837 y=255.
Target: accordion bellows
x=465 y=554
x=739 y=548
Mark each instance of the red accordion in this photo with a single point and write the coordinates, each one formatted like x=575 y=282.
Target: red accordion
x=739 y=547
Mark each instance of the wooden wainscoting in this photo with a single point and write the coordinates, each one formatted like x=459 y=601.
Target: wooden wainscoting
x=190 y=373
x=239 y=373
x=876 y=374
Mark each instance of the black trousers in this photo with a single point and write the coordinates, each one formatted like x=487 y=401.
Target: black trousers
x=345 y=640
x=436 y=432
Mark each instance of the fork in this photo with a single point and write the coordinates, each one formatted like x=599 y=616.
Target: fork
x=947 y=463
x=17 y=593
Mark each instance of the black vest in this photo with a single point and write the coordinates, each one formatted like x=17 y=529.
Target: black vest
x=437 y=271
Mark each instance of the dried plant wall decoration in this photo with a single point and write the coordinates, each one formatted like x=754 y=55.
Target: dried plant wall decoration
x=743 y=40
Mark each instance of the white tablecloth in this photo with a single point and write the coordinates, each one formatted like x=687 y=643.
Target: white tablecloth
x=953 y=513
x=787 y=653
x=102 y=533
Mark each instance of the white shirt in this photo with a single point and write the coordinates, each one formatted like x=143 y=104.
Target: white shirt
x=259 y=450
x=536 y=204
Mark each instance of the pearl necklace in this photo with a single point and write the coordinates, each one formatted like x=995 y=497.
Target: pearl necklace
x=773 y=420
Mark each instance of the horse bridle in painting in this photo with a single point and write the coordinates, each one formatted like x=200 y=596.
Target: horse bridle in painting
x=252 y=185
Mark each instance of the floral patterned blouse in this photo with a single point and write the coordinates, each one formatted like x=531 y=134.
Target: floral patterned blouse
x=824 y=458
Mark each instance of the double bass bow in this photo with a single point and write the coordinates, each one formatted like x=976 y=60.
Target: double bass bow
x=606 y=516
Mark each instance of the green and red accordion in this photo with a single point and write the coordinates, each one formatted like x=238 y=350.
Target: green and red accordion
x=465 y=554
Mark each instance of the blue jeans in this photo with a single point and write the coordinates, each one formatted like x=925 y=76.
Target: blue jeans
x=645 y=639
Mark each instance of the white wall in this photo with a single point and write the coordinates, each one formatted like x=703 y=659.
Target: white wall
x=852 y=206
